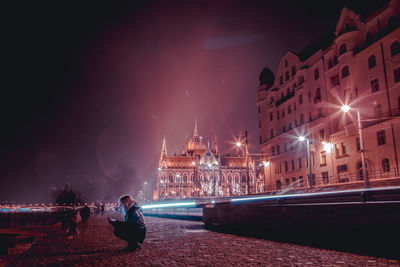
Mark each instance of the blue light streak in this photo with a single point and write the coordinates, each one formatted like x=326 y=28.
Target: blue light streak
x=170 y=205
x=244 y=199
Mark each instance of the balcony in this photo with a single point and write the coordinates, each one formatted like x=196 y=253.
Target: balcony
x=284 y=99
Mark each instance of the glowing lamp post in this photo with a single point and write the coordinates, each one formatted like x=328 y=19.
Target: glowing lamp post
x=302 y=139
x=145 y=190
x=345 y=109
x=239 y=144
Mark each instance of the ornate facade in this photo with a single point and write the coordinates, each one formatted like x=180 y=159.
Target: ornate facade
x=201 y=171
x=357 y=65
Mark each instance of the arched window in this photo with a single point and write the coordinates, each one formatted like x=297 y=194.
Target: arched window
x=335 y=61
x=345 y=72
x=223 y=178
x=230 y=178
x=395 y=48
x=164 y=177
x=243 y=178
x=371 y=62
x=191 y=177
x=184 y=177
x=236 y=178
x=342 y=49
x=330 y=63
x=385 y=165
x=251 y=177
x=171 y=177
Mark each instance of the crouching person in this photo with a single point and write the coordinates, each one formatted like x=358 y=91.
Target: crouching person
x=133 y=229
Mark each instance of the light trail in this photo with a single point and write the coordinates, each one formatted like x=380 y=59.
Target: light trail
x=244 y=199
x=170 y=205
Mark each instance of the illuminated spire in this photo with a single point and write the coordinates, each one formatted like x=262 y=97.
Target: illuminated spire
x=196 y=132
x=164 y=148
x=215 y=145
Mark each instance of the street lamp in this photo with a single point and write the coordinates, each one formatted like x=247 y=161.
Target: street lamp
x=302 y=139
x=345 y=109
x=145 y=190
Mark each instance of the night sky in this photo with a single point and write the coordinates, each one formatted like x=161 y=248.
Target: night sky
x=90 y=89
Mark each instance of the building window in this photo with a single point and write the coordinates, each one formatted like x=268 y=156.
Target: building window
x=272 y=133
x=325 y=177
x=301 y=118
x=381 y=137
x=286 y=63
x=185 y=178
x=280 y=80
x=371 y=62
x=317 y=97
x=300 y=99
x=271 y=116
x=395 y=48
x=299 y=162
x=278 y=149
x=170 y=178
x=385 y=165
x=323 y=157
x=342 y=168
x=343 y=148
x=316 y=74
x=236 y=178
x=342 y=49
x=396 y=75
x=283 y=128
x=289 y=110
x=243 y=178
x=230 y=178
x=378 y=110
x=292 y=163
x=330 y=63
x=294 y=106
x=286 y=76
x=273 y=150
x=301 y=79
x=286 y=166
x=375 y=85
x=345 y=72
x=293 y=70
x=283 y=113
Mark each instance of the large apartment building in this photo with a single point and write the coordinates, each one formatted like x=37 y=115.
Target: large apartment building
x=357 y=65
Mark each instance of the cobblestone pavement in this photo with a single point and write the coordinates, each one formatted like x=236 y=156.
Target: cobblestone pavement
x=172 y=242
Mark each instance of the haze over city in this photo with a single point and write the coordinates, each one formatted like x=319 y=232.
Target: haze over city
x=91 y=89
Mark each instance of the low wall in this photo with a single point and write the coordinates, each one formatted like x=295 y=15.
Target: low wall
x=16 y=219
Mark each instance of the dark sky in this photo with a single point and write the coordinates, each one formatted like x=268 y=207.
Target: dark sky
x=91 y=88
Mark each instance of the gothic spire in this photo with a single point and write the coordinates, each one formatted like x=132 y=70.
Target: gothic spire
x=164 y=148
x=196 y=131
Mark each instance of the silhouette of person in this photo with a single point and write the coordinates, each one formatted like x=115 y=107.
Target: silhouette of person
x=133 y=229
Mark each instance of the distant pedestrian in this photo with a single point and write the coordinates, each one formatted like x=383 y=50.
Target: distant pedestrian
x=85 y=214
x=133 y=229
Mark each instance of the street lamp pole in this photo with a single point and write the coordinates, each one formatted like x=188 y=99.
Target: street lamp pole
x=145 y=190
x=364 y=171
x=247 y=164
x=302 y=138
x=345 y=109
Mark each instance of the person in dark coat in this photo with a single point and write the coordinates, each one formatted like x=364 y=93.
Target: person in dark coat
x=133 y=228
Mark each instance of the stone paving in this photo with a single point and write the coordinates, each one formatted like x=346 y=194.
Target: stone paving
x=172 y=242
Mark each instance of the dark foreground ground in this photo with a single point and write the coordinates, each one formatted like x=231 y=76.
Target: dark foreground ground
x=172 y=242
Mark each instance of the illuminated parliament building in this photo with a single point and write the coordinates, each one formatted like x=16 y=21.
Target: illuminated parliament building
x=201 y=171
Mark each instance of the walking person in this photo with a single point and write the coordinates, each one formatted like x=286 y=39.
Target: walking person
x=133 y=228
